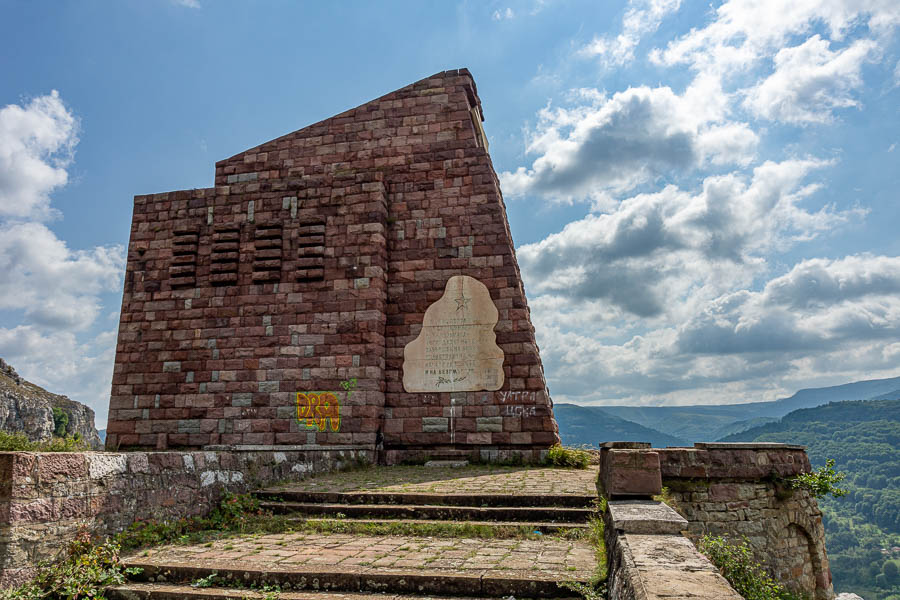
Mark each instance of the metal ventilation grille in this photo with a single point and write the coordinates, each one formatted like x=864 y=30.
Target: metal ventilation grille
x=267 y=248
x=183 y=268
x=226 y=247
x=311 y=250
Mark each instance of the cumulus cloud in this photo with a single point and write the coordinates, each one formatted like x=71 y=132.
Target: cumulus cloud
x=819 y=305
x=53 y=291
x=810 y=81
x=59 y=362
x=616 y=143
x=56 y=287
x=745 y=31
x=656 y=248
x=641 y=17
x=37 y=142
x=825 y=320
x=501 y=15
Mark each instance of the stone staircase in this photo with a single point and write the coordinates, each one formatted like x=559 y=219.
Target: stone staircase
x=340 y=566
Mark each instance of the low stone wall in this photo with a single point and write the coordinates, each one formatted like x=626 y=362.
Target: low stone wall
x=649 y=559
x=46 y=498
x=737 y=490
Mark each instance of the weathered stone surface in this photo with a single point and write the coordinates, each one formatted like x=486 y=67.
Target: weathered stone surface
x=46 y=498
x=625 y=473
x=645 y=516
x=456 y=351
x=659 y=566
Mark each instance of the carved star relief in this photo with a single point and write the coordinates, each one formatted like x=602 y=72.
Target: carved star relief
x=462 y=302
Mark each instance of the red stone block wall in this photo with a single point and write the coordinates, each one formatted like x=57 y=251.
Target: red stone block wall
x=221 y=326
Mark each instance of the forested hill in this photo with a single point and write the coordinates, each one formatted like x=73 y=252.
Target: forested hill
x=862 y=528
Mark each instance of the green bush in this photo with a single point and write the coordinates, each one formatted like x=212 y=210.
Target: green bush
x=18 y=442
x=746 y=576
x=86 y=569
x=60 y=422
x=561 y=456
x=822 y=482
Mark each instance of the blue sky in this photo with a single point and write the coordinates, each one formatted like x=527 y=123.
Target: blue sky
x=704 y=197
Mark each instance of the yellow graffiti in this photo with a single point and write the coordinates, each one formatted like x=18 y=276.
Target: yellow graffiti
x=317 y=407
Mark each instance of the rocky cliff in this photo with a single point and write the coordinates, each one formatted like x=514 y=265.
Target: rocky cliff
x=28 y=408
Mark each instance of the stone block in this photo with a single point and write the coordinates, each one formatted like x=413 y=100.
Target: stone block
x=489 y=424
x=435 y=424
x=630 y=473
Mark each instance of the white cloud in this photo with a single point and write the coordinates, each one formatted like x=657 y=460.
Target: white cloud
x=745 y=31
x=60 y=363
x=500 y=15
x=823 y=322
x=37 y=143
x=810 y=81
x=641 y=18
x=187 y=3
x=52 y=290
x=660 y=254
x=614 y=144
x=58 y=288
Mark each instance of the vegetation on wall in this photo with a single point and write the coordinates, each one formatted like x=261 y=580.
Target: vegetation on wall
x=746 y=576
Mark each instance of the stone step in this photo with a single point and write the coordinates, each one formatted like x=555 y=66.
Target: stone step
x=164 y=591
x=551 y=514
x=521 y=584
x=542 y=527
x=505 y=500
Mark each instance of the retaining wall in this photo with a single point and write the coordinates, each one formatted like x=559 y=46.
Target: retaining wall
x=46 y=498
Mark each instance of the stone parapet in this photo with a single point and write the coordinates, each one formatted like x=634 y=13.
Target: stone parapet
x=733 y=461
x=46 y=498
x=649 y=559
x=742 y=492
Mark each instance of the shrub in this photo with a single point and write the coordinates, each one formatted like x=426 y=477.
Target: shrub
x=19 y=442
x=745 y=575
x=86 y=569
x=822 y=482
x=561 y=456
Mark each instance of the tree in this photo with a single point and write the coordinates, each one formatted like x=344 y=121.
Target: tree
x=60 y=422
x=890 y=571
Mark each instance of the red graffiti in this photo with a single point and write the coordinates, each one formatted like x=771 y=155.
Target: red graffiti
x=315 y=407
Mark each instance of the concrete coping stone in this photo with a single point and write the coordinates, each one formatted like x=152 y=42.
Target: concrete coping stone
x=447 y=463
x=625 y=445
x=645 y=517
x=747 y=446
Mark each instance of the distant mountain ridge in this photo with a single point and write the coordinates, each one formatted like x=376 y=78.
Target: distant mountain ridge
x=28 y=408
x=590 y=425
x=708 y=423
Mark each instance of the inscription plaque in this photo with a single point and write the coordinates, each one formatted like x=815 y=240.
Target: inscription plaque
x=457 y=350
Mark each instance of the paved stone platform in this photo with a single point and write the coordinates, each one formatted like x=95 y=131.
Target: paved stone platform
x=550 y=558
x=473 y=479
x=342 y=562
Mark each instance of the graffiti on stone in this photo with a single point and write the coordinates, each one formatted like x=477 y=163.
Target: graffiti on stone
x=322 y=410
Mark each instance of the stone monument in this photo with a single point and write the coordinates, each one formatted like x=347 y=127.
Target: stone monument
x=349 y=286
